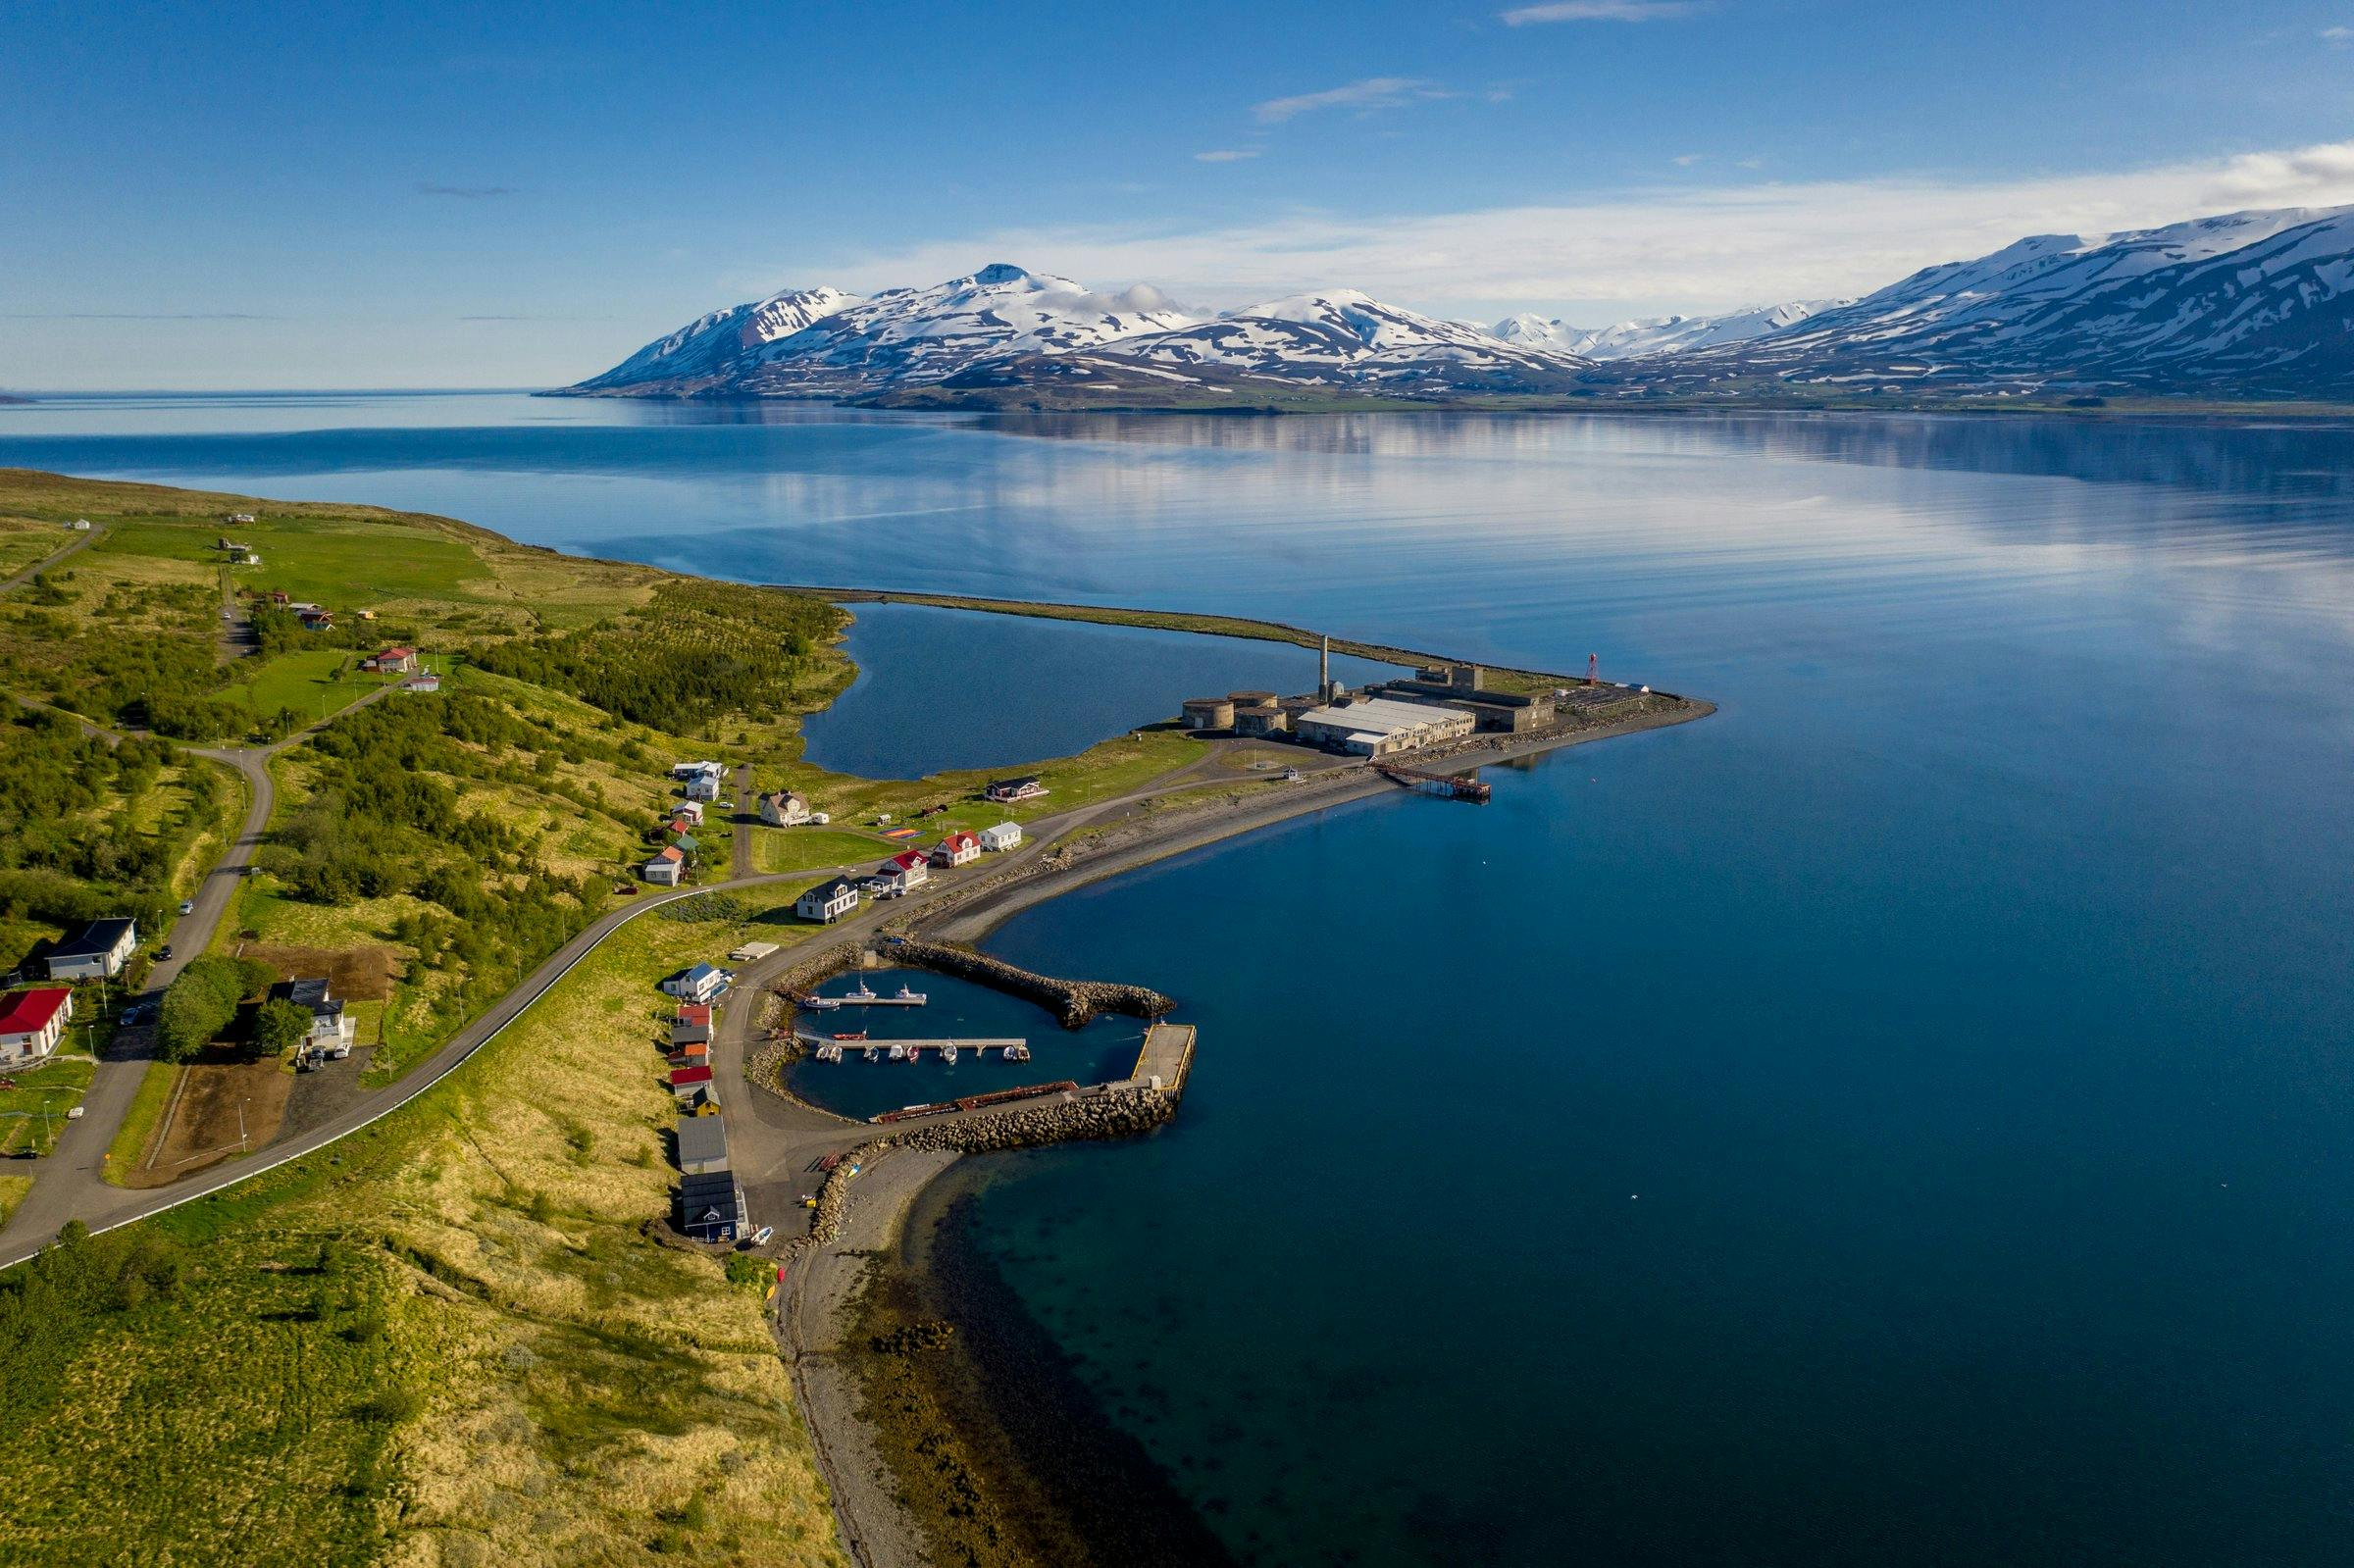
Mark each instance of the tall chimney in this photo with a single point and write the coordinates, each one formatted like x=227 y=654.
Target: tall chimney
x=1324 y=666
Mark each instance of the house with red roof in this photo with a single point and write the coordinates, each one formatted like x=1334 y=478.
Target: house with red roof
x=395 y=660
x=686 y=1080
x=32 y=1022
x=959 y=849
x=667 y=867
x=903 y=873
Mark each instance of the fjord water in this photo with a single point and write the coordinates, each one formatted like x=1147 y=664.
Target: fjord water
x=1902 y=1118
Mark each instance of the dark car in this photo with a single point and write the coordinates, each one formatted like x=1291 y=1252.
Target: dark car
x=164 y=955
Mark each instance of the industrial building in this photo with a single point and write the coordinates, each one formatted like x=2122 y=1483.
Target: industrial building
x=1376 y=726
x=1208 y=713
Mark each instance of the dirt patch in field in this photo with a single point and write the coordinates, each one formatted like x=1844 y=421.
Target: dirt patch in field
x=353 y=973
x=201 y=1128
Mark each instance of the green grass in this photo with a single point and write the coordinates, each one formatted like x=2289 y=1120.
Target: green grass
x=300 y=680
x=147 y=1104
x=34 y=1113
x=343 y=563
x=807 y=848
x=12 y=1192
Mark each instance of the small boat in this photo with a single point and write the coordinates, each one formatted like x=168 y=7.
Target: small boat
x=761 y=1236
x=822 y=1004
x=911 y=997
x=1017 y=1053
x=870 y=1052
x=860 y=994
x=828 y=1053
x=899 y=1053
x=948 y=1053
x=851 y=1034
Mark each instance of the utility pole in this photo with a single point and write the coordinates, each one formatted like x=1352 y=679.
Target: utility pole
x=240 y=1126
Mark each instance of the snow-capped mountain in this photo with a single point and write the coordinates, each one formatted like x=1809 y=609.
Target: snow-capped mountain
x=1658 y=334
x=1346 y=338
x=822 y=342
x=2244 y=305
x=2248 y=304
x=702 y=351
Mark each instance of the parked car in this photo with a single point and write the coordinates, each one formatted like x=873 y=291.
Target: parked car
x=188 y=906
x=164 y=955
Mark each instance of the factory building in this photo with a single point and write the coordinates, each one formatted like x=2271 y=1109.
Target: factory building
x=1508 y=711
x=1376 y=726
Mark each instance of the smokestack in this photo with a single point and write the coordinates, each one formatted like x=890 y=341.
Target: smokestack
x=1324 y=666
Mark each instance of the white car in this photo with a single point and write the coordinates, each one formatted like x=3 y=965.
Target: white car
x=188 y=906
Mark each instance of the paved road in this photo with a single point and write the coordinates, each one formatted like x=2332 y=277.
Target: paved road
x=746 y=816
x=69 y=1183
x=80 y=541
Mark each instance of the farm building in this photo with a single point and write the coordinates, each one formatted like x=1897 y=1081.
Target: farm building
x=666 y=867
x=784 y=808
x=828 y=901
x=1003 y=836
x=702 y=1144
x=956 y=849
x=32 y=1022
x=711 y=1207
x=1376 y=726
x=99 y=952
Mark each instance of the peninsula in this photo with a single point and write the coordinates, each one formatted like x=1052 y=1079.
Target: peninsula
x=426 y=925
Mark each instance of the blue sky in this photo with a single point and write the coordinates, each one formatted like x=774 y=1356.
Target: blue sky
x=394 y=195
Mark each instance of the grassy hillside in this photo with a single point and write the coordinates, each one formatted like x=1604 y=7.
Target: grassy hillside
x=457 y=1338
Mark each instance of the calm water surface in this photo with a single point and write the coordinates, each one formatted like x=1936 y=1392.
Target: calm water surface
x=1905 y=1118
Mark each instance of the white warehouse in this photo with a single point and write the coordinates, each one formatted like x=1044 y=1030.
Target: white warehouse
x=1378 y=725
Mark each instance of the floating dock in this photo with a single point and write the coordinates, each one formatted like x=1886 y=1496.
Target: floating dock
x=837 y=1050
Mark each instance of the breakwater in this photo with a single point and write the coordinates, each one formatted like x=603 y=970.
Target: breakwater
x=1074 y=1002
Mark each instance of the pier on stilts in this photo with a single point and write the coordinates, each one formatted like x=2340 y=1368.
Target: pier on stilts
x=1435 y=783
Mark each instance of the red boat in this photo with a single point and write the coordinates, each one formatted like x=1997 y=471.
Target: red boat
x=861 y=1034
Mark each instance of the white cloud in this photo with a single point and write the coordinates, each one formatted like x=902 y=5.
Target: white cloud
x=2338 y=36
x=1599 y=11
x=1374 y=92
x=1225 y=155
x=1670 y=248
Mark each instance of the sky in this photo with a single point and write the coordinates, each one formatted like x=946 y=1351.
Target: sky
x=444 y=195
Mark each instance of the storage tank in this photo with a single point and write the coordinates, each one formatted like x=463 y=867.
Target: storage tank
x=1209 y=713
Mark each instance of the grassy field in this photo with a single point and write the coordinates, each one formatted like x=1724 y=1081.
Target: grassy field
x=303 y=682
x=12 y=1192
x=33 y=1112
x=454 y=1339
x=147 y=1104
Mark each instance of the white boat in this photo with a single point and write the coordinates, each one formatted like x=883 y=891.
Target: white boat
x=822 y=1004
x=899 y=1053
x=761 y=1236
x=858 y=994
x=913 y=998
x=870 y=1052
x=829 y=1053
x=1017 y=1053
x=948 y=1053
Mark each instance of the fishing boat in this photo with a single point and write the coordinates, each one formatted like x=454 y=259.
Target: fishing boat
x=857 y=993
x=899 y=1053
x=822 y=1004
x=948 y=1053
x=1016 y=1053
x=913 y=998
x=851 y=1034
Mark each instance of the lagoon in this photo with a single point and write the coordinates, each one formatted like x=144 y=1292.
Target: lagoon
x=1902 y=1118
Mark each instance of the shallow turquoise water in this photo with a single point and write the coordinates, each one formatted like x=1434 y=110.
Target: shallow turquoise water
x=1904 y=1118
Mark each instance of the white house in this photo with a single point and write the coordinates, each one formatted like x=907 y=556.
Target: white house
x=700 y=983
x=32 y=1022
x=98 y=953
x=784 y=809
x=828 y=901
x=958 y=848
x=703 y=787
x=1005 y=835
x=332 y=1028
x=905 y=873
x=666 y=867
x=690 y=769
